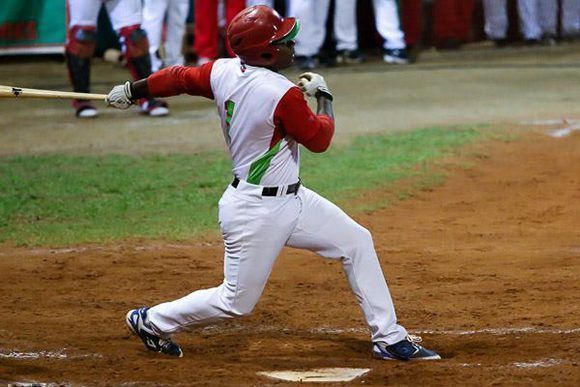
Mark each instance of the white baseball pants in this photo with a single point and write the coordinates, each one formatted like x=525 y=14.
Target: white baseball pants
x=570 y=17
x=537 y=17
x=388 y=24
x=255 y=229
x=313 y=16
x=155 y=13
x=123 y=13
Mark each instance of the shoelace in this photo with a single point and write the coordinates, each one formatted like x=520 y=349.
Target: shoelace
x=414 y=338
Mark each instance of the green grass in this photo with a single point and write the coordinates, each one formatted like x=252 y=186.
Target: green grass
x=62 y=200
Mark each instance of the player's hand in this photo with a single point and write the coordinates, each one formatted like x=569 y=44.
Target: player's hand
x=120 y=96
x=313 y=85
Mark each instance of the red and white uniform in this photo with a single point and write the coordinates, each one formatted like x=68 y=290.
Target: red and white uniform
x=264 y=118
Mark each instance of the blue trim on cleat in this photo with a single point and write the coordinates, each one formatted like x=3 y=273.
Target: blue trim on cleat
x=406 y=349
x=138 y=323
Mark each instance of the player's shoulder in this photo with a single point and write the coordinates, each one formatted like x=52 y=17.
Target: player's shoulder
x=273 y=81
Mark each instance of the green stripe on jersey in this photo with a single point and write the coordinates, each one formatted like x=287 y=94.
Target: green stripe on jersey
x=229 y=111
x=260 y=166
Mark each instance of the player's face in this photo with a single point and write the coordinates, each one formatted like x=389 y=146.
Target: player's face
x=286 y=55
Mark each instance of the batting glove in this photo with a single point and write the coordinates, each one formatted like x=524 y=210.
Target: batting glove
x=120 y=96
x=313 y=85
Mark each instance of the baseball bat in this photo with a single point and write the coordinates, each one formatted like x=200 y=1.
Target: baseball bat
x=20 y=92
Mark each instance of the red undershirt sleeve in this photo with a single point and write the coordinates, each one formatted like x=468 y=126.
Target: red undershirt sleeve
x=177 y=80
x=295 y=118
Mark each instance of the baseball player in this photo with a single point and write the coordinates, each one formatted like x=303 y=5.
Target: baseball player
x=154 y=16
x=81 y=41
x=538 y=19
x=264 y=118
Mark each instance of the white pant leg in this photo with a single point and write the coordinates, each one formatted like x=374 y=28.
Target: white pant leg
x=84 y=12
x=548 y=17
x=345 y=28
x=496 y=19
x=312 y=15
x=124 y=13
x=153 y=17
x=327 y=230
x=388 y=25
x=176 y=18
x=570 y=17
x=269 y=3
x=529 y=19
x=255 y=229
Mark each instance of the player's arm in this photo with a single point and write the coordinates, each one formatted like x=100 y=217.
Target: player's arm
x=295 y=118
x=168 y=82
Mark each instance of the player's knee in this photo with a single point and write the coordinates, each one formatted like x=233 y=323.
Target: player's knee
x=359 y=243
x=134 y=38
x=234 y=305
x=82 y=41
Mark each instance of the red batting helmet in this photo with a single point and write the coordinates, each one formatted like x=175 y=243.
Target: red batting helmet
x=254 y=33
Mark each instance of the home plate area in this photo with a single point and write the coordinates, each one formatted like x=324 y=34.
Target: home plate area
x=319 y=375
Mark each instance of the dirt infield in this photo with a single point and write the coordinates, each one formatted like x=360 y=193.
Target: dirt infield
x=484 y=267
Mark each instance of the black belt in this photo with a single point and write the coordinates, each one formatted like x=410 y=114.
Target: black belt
x=272 y=191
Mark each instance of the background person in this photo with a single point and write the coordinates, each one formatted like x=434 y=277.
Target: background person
x=172 y=14
x=389 y=27
x=206 y=33
x=538 y=19
x=125 y=17
x=313 y=16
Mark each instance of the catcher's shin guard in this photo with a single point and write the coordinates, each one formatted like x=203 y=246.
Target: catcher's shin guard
x=79 y=50
x=136 y=45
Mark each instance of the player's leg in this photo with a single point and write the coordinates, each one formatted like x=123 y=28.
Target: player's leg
x=312 y=16
x=206 y=30
x=325 y=229
x=570 y=18
x=80 y=47
x=254 y=229
x=126 y=20
x=176 y=17
x=496 y=20
x=346 y=32
x=548 y=19
x=232 y=8
x=530 y=20
x=389 y=27
x=153 y=17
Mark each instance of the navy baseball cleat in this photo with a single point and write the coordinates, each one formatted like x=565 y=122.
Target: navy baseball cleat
x=138 y=324
x=406 y=349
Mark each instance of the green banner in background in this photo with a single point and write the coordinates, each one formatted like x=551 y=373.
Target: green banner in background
x=32 y=26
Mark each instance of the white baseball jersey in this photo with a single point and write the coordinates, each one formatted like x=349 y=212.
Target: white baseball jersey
x=246 y=98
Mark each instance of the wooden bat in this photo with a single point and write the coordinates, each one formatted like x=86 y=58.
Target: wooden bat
x=19 y=92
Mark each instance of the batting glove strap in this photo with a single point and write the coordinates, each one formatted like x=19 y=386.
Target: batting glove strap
x=324 y=92
x=127 y=90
